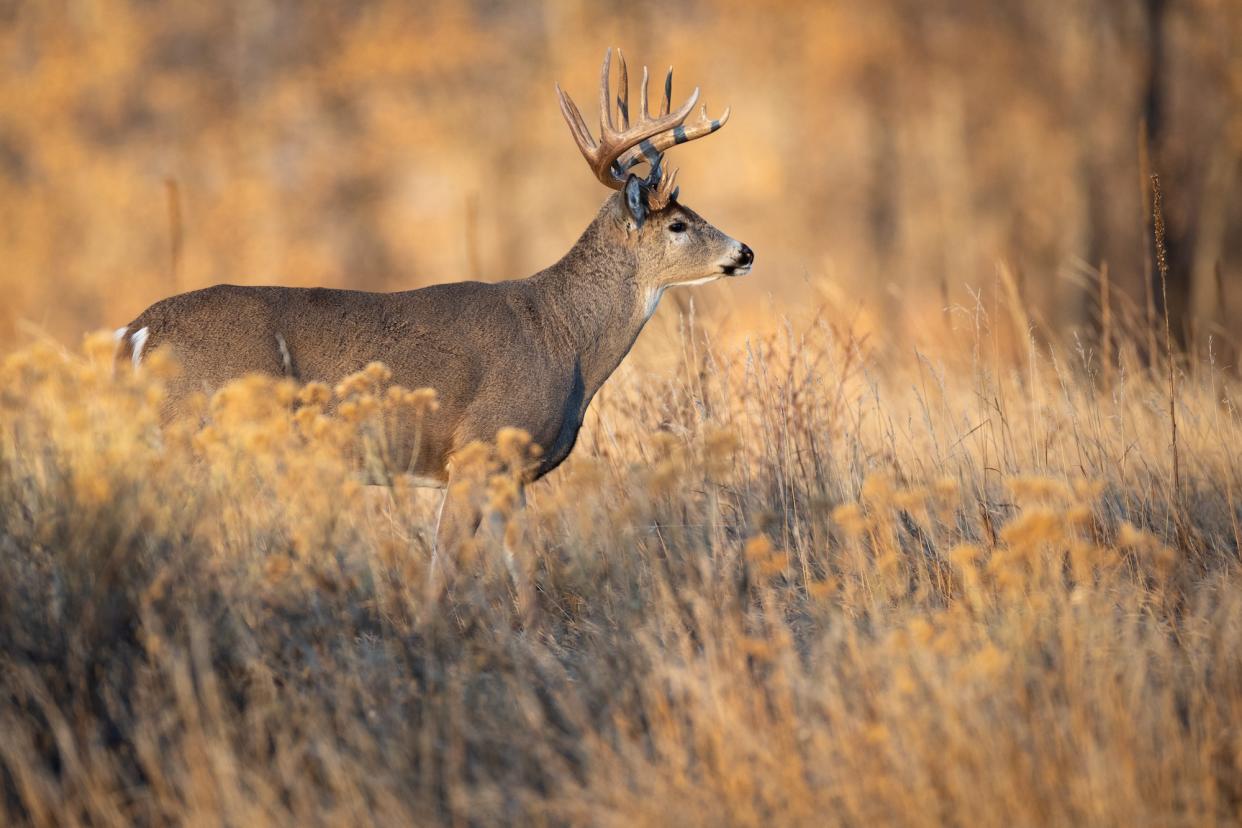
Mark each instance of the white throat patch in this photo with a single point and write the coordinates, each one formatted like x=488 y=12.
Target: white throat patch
x=654 y=294
x=702 y=281
x=653 y=301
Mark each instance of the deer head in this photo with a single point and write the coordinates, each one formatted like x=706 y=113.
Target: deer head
x=671 y=244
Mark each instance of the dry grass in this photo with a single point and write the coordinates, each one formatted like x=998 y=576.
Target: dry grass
x=925 y=557
x=810 y=581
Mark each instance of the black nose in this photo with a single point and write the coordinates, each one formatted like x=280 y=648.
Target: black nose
x=745 y=257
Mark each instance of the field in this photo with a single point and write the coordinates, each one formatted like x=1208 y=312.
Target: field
x=793 y=583
x=934 y=519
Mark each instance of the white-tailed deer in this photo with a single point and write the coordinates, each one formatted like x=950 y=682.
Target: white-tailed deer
x=528 y=353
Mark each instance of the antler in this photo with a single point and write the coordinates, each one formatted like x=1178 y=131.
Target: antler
x=618 y=150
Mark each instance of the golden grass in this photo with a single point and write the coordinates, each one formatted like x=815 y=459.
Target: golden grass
x=896 y=562
x=806 y=581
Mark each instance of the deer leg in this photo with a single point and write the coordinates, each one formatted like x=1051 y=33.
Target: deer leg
x=498 y=526
x=459 y=523
x=456 y=524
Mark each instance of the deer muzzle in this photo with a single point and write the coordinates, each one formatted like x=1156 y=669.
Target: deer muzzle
x=743 y=258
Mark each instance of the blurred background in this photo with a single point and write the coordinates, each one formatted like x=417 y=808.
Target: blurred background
x=887 y=159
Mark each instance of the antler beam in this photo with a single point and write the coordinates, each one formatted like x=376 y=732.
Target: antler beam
x=621 y=145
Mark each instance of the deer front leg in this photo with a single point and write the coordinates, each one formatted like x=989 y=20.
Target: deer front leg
x=456 y=525
x=458 y=520
x=487 y=472
x=459 y=523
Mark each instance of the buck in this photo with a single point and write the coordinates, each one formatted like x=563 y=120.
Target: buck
x=528 y=353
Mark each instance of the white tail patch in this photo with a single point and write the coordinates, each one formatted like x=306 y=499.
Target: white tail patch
x=286 y=361
x=138 y=340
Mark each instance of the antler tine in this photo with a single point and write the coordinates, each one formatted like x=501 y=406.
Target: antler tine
x=605 y=105
x=577 y=126
x=623 y=95
x=664 y=191
x=667 y=104
x=642 y=98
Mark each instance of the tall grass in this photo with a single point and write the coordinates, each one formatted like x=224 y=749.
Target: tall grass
x=816 y=579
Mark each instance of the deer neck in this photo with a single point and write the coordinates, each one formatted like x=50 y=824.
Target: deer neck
x=594 y=303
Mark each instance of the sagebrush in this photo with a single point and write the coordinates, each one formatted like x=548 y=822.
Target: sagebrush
x=809 y=581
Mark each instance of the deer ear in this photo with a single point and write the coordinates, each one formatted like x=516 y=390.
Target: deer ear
x=636 y=199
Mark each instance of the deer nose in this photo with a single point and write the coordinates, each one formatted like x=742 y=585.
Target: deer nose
x=745 y=256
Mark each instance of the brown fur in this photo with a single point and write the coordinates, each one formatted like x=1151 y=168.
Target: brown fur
x=528 y=353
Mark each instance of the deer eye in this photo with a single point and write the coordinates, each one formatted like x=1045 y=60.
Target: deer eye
x=678 y=227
